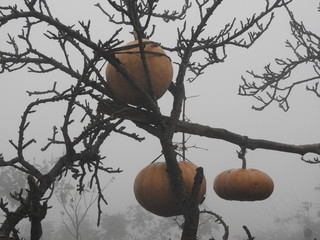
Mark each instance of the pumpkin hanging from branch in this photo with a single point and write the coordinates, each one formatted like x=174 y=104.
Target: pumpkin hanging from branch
x=158 y=64
x=153 y=190
x=243 y=184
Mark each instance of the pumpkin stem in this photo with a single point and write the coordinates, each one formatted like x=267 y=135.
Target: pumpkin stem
x=244 y=163
x=241 y=155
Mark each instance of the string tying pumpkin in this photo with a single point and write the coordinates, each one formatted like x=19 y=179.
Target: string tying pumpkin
x=154 y=192
x=159 y=65
x=243 y=184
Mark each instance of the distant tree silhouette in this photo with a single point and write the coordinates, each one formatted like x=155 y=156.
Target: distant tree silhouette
x=75 y=206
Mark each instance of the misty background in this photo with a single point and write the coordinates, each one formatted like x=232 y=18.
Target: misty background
x=212 y=100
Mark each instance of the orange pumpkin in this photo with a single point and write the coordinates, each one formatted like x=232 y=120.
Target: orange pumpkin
x=243 y=185
x=153 y=190
x=159 y=65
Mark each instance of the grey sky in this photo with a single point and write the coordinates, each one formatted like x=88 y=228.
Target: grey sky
x=217 y=104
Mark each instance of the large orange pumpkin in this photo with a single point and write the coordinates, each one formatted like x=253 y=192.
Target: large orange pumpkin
x=153 y=190
x=160 y=67
x=243 y=185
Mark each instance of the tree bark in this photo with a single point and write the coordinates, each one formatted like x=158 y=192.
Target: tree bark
x=146 y=119
x=192 y=214
x=31 y=207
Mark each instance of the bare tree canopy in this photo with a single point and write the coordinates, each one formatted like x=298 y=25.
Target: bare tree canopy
x=275 y=86
x=103 y=113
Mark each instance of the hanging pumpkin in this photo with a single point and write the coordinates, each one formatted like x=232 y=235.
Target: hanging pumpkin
x=159 y=65
x=153 y=190
x=243 y=184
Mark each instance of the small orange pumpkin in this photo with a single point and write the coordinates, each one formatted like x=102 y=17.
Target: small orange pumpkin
x=243 y=185
x=159 y=65
x=153 y=190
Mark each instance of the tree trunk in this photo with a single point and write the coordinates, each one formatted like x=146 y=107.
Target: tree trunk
x=190 y=227
x=191 y=216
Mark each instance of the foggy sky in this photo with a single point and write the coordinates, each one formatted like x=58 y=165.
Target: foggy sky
x=217 y=104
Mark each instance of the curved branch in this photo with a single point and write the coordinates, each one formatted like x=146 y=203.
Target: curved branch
x=219 y=220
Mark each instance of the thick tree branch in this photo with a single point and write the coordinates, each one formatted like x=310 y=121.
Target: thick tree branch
x=147 y=118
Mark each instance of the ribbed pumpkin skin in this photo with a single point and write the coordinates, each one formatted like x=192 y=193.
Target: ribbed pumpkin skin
x=243 y=185
x=160 y=69
x=153 y=191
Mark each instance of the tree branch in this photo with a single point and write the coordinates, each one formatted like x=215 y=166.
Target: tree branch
x=220 y=221
x=145 y=117
x=276 y=86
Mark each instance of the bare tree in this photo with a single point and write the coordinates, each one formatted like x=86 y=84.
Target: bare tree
x=82 y=157
x=75 y=206
x=276 y=86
